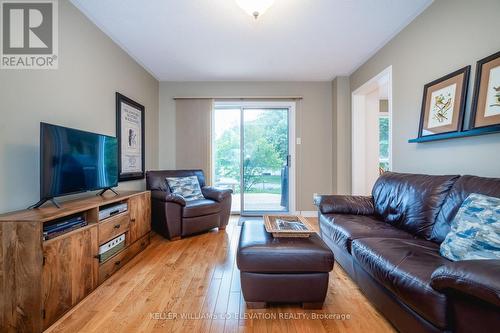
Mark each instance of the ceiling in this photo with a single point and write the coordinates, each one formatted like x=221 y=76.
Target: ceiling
x=215 y=40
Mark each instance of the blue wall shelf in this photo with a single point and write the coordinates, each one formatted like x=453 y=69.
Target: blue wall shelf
x=463 y=134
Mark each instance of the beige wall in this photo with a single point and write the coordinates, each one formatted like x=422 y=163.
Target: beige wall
x=384 y=106
x=81 y=94
x=449 y=35
x=313 y=119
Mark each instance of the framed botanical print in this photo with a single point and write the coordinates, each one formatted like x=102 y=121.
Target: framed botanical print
x=486 y=102
x=443 y=104
x=130 y=133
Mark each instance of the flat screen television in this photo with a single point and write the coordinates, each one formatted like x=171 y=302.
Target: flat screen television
x=74 y=161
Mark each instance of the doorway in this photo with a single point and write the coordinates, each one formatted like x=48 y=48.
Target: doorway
x=252 y=155
x=371 y=132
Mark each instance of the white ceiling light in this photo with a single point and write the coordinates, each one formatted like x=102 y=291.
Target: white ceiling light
x=255 y=7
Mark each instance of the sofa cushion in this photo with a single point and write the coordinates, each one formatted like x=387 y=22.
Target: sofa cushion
x=475 y=230
x=405 y=267
x=156 y=180
x=260 y=252
x=202 y=207
x=464 y=186
x=411 y=202
x=343 y=229
x=187 y=187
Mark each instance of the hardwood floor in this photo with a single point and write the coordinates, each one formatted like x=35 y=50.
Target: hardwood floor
x=193 y=285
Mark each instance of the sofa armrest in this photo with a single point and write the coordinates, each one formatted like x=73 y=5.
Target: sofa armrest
x=476 y=278
x=345 y=204
x=215 y=194
x=168 y=197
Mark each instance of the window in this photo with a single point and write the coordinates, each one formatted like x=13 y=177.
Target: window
x=384 y=160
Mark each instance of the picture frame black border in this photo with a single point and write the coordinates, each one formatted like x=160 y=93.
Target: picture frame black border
x=123 y=177
x=461 y=111
x=477 y=87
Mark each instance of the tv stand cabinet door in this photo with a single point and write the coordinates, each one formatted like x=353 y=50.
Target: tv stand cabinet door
x=140 y=215
x=69 y=272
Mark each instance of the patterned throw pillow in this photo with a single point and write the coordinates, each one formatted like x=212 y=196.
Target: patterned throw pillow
x=475 y=230
x=186 y=187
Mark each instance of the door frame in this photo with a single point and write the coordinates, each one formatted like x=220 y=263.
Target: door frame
x=275 y=104
x=358 y=128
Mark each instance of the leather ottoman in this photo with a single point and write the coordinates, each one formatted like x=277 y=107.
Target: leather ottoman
x=282 y=270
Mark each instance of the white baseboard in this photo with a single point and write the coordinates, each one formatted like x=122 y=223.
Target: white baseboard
x=305 y=213
x=308 y=213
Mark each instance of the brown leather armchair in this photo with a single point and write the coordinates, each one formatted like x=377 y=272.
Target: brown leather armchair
x=173 y=217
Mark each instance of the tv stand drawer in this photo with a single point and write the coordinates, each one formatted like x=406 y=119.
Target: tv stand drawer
x=112 y=227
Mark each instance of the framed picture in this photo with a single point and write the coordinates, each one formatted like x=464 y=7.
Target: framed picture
x=443 y=104
x=486 y=102
x=130 y=134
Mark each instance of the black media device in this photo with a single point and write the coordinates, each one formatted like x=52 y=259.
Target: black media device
x=74 y=161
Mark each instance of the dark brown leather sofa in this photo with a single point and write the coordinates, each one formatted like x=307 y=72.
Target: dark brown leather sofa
x=173 y=217
x=389 y=244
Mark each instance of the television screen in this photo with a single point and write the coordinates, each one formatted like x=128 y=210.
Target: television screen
x=73 y=161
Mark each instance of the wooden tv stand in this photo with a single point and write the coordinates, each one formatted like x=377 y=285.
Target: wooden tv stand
x=40 y=280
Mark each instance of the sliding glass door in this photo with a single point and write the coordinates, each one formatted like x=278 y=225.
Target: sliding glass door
x=251 y=156
x=226 y=152
x=264 y=156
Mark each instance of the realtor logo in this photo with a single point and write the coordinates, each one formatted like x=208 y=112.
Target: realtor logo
x=29 y=34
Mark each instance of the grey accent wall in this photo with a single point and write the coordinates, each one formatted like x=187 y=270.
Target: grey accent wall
x=80 y=94
x=341 y=135
x=313 y=126
x=448 y=35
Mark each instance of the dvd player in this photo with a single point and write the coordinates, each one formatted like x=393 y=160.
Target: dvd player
x=112 y=210
x=107 y=250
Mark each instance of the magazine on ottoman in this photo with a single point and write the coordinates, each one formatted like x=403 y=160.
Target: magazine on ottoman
x=287 y=226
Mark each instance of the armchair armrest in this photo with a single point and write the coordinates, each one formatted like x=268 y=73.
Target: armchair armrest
x=477 y=278
x=215 y=194
x=168 y=197
x=345 y=204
